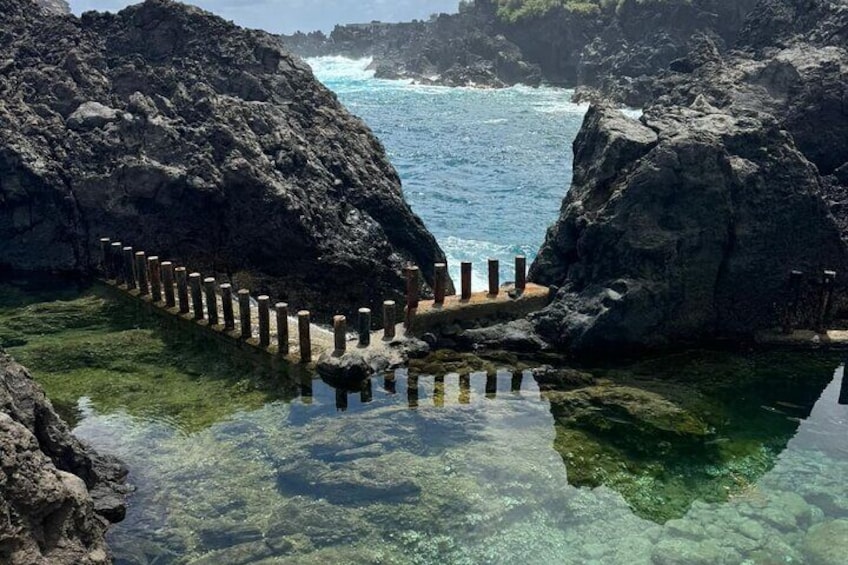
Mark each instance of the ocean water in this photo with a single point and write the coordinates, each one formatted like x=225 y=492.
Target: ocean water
x=485 y=169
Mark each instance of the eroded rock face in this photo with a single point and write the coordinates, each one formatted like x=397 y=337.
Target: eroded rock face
x=681 y=227
x=184 y=135
x=57 y=497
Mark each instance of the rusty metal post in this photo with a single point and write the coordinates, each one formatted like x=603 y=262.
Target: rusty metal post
x=364 y=327
x=340 y=334
x=282 y=311
x=155 y=278
x=168 y=284
x=105 y=257
x=264 y=320
x=196 y=295
x=389 y=319
x=227 y=307
x=441 y=275
x=465 y=268
x=141 y=273
x=464 y=389
x=303 y=330
x=211 y=301
x=182 y=289
x=520 y=273
x=517 y=379
x=494 y=277
x=129 y=267
x=491 y=385
x=412 y=274
x=244 y=314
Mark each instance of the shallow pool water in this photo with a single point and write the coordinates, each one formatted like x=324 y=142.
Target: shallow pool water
x=699 y=457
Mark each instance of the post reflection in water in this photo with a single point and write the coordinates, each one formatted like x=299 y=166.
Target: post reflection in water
x=517 y=379
x=843 y=389
x=306 y=389
x=464 y=389
x=439 y=392
x=491 y=386
x=412 y=391
x=341 y=400
x=366 y=393
x=390 y=384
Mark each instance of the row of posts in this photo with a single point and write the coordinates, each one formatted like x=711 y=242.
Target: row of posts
x=176 y=288
x=160 y=280
x=441 y=279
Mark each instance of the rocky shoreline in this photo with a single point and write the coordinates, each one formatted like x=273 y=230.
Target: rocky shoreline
x=57 y=496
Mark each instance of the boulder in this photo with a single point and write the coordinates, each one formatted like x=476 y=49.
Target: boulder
x=827 y=543
x=178 y=133
x=681 y=227
x=57 y=496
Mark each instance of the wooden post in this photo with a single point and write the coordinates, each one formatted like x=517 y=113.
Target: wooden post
x=466 y=280
x=244 y=314
x=364 y=327
x=303 y=330
x=155 y=278
x=227 y=307
x=105 y=257
x=389 y=319
x=520 y=273
x=340 y=334
x=282 y=310
x=412 y=274
x=182 y=289
x=141 y=273
x=366 y=391
x=264 y=320
x=168 y=284
x=494 y=277
x=211 y=301
x=116 y=262
x=441 y=273
x=196 y=295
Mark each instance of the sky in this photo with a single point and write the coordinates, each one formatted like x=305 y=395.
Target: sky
x=287 y=16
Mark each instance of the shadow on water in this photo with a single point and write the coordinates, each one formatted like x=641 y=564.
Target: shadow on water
x=84 y=345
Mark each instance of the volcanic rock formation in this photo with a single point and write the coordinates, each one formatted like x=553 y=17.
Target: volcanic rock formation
x=57 y=496
x=181 y=134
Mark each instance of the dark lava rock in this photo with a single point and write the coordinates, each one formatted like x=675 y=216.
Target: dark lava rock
x=57 y=496
x=181 y=134
x=681 y=227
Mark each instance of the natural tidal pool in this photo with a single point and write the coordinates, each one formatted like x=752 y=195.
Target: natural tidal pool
x=698 y=457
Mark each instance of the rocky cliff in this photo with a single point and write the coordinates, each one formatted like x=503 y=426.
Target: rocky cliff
x=682 y=226
x=606 y=46
x=57 y=497
x=180 y=133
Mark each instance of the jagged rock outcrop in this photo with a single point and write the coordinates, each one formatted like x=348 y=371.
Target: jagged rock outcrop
x=681 y=228
x=184 y=135
x=57 y=497
x=55 y=6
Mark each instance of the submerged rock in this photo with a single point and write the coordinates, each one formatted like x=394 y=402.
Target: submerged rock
x=181 y=134
x=57 y=497
x=827 y=543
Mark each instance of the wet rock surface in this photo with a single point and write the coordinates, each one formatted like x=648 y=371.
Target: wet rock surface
x=57 y=497
x=181 y=134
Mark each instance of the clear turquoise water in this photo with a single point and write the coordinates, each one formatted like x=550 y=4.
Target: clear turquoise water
x=485 y=169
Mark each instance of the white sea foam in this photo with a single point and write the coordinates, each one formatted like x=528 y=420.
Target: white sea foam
x=479 y=252
x=337 y=68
